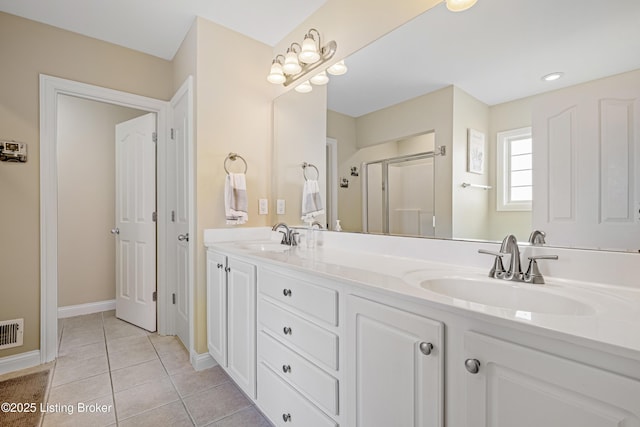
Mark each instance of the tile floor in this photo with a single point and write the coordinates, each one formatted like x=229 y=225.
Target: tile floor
x=144 y=378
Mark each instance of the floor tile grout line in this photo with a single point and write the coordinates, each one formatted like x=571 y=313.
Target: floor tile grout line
x=106 y=349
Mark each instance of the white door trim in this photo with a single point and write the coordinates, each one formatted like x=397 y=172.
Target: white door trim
x=50 y=88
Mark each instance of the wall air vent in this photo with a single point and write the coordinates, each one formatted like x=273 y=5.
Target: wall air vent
x=11 y=333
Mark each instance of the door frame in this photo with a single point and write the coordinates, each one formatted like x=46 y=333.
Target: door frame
x=50 y=88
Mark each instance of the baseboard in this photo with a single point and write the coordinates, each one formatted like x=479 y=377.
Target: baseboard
x=80 y=309
x=19 y=361
x=202 y=361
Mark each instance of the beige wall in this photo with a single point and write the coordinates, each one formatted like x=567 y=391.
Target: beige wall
x=86 y=198
x=233 y=114
x=34 y=48
x=470 y=205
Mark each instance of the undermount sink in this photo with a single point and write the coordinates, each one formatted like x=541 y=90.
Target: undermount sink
x=266 y=247
x=521 y=297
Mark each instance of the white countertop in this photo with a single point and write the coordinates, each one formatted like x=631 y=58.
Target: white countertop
x=603 y=313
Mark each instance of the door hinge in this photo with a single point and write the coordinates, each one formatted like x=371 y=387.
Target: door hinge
x=173 y=134
x=154 y=216
x=155 y=296
x=173 y=298
x=173 y=216
x=154 y=137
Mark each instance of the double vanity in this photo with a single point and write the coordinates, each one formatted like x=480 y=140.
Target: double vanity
x=368 y=331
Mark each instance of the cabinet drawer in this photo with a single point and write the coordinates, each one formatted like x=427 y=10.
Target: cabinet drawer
x=319 y=302
x=321 y=387
x=284 y=406
x=308 y=337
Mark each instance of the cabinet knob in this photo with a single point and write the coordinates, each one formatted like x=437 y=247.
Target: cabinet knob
x=286 y=417
x=219 y=265
x=426 y=348
x=286 y=368
x=227 y=269
x=286 y=330
x=286 y=292
x=472 y=365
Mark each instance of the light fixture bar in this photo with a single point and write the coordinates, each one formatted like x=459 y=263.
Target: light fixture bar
x=326 y=53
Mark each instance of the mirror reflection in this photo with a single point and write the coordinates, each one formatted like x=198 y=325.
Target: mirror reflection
x=473 y=81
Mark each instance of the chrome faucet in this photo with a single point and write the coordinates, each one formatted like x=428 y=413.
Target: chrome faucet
x=537 y=238
x=289 y=236
x=514 y=272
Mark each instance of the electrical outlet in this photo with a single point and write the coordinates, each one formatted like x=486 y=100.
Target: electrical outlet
x=263 y=207
x=280 y=207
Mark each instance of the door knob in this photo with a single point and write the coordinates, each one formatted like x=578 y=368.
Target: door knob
x=472 y=365
x=183 y=237
x=115 y=231
x=426 y=348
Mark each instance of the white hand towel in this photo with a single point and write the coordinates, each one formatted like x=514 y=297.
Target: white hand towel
x=235 y=198
x=311 y=202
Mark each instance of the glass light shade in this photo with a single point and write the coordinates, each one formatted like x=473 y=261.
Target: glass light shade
x=460 y=5
x=320 y=79
x=291 y=64
x=304 y=87
x=553 y=76
x=276 y=76
x=309 y=53
x=337 y=69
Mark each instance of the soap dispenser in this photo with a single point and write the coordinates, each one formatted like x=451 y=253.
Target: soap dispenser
x=338 y=227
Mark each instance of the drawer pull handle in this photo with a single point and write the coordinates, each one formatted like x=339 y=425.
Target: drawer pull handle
x=426 y=348
x=286 y=368
x=472 y=365
x=286 y=417
x=286 y=330
x=286 y=292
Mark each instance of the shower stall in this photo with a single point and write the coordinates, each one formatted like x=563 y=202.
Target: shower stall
x=398 y=195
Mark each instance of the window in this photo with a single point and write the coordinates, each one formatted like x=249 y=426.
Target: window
x=515 y=178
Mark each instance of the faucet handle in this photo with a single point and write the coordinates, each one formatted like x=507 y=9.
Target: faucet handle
x=498 y=268
x=533 y=274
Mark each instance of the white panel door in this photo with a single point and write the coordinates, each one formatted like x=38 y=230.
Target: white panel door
x=179 y=221
x=518 y=386
x=395 y=367
x=241 y=324
x=586 y=165
x=135 y=226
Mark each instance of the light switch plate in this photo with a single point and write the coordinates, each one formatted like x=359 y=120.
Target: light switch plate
x=263 y=207
x=280 y=207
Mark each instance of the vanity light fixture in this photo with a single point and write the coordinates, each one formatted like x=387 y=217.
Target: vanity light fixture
x=553 y=76
x=459 y=5
x=304 y=87
x=300 y=60
x=337 y=69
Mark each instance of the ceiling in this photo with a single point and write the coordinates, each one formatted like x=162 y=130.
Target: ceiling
x=157 y=27
x=497 y=51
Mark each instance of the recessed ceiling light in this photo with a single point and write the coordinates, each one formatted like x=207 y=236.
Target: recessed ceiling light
x=553 y=76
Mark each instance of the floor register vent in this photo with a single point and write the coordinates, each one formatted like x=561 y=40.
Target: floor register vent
x=11 y=333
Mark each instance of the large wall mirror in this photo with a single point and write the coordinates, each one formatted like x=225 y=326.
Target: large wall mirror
x=520 y=152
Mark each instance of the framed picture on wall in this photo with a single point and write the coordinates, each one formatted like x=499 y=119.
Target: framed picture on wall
x=475 y=151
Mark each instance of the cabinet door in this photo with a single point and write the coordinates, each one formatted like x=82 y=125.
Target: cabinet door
x=241 y=324
x=217 y=307
x=518 y=386
x=391 y=381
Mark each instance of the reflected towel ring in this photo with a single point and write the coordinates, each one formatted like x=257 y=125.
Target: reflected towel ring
x=306 y=165
x=233 y=157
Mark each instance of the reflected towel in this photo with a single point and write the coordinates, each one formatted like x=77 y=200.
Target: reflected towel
x=311 y=202
x=235 y=198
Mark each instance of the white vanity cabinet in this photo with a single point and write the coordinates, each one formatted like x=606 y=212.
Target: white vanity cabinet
x=395 y=366
x=231 y=317
x=510 y=385
x=298 y=350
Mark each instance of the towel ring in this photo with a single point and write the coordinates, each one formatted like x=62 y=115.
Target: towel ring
x=306 y=165
x=233 y=157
